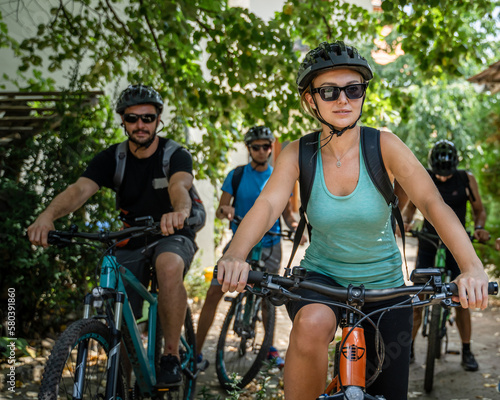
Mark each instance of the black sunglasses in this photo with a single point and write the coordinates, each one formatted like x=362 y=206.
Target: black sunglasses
x=146 y=118
x=257 y=147
x=332 y=93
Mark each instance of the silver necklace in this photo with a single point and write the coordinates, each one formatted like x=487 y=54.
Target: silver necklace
x=339 y=164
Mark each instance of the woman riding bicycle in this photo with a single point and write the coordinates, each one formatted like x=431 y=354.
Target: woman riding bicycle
x=352 y=239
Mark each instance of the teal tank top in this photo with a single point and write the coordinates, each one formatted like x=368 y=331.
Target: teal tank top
x=352 y=239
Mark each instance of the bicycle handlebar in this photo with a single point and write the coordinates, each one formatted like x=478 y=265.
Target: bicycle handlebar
x=150 y=228
x=276 y=284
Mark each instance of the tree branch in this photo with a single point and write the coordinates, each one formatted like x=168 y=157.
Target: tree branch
x=328 y=29
x=206 y=29
x=155 y=40
x=118 y=19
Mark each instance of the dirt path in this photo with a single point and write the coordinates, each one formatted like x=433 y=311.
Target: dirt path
x=451 y=381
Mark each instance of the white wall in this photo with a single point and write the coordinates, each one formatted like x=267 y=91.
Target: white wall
x=24 y=23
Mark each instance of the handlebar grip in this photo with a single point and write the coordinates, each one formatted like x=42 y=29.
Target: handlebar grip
x=492 y=288
x=255 y=276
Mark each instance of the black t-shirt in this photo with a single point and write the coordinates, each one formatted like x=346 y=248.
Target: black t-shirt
x=138 y=197
x=454 y=193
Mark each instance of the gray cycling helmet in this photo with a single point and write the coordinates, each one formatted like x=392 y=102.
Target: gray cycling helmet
x=328 y=56
x=258 y=132
x=139 y=94
x=443 y=158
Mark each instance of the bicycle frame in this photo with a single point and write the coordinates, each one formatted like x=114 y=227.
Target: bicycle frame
x=350 y=360
x=112 y=287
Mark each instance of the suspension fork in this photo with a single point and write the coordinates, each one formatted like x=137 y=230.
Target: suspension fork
x=114 y=353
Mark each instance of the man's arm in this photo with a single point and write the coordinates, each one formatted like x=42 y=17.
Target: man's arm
x=71 y=199
x=478 y=210
x=178 y=190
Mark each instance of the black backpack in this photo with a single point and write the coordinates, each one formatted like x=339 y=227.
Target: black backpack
x=197 y=207
x=372 y=155
x=235 y=182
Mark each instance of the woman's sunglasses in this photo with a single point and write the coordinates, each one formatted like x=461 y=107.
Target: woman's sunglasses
x=146 y=118
x=332 y=93
x=257 y=147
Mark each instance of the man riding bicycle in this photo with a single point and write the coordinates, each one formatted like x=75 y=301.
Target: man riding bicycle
x=237 y=199
x=140 y=194
x=457 y=187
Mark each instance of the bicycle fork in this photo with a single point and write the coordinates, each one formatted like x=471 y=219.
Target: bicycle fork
x=113 y=355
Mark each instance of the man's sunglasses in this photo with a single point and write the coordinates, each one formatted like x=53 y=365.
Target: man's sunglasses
x=146 y=118
x=332 y=93
x=257 y=147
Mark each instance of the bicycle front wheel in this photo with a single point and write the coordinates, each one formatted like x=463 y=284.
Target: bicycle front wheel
x=244 y=341
x=88 y=339
x=433 y=346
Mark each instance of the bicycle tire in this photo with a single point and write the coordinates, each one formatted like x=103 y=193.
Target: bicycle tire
x=187 y=351
x=433 y=346
x=229 y=358
x=58 y=375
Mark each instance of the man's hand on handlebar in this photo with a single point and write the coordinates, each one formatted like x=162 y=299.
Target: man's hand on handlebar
x=170 y=222
x=226 y=212
x=481 y=235
x=38 y=231
x=232 y=273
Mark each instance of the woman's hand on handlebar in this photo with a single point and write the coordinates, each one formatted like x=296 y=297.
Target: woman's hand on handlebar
x=232 y=273
x=472 y=289
x=38 y=231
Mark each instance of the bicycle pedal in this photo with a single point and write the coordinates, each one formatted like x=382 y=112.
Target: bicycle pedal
x=203 y=365
x=456 y=352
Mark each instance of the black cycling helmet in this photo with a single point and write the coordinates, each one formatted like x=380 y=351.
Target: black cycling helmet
x=443 y=158
x=139 y=94
x=328 y=56
x=258 y=132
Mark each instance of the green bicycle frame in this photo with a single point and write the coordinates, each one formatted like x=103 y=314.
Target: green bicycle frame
x=112 y=277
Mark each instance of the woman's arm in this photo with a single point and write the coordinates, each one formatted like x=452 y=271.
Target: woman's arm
x=232 y=268
x=416 y=182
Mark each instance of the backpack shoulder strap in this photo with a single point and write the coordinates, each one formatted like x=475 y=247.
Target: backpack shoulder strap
x=121 y=160
x=307 y=166
x=308 y=146
x=372 y=154
x=465 y=179
x=170 y=147
x=235 y=182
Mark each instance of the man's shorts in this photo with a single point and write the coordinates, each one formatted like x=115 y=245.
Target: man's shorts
x=270 y=255
x=426 y=259
x=139 y=261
